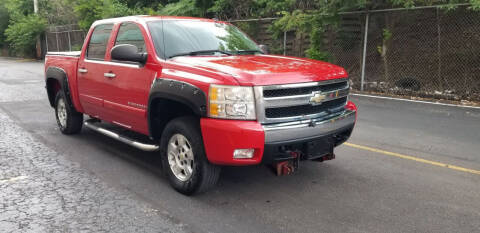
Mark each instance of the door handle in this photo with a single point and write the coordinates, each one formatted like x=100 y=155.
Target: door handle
x=109 y=75
x=82 y=70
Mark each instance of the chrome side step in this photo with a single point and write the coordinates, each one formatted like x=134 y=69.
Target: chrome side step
x=142 y=146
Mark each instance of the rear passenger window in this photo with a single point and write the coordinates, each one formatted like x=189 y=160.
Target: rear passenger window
x=98 y=42
x=129 y=33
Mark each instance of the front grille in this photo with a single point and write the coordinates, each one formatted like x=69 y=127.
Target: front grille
x=293 y=102
x=304 y=90
x=308 y=109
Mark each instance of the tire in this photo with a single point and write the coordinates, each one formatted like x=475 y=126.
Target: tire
x=194 y=173
x=69 y=121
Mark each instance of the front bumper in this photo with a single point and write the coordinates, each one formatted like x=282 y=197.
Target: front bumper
x=222 y=137
x=301 y=130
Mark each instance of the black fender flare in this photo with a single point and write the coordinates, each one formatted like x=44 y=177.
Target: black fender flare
x=178 y=91
x=60 y=75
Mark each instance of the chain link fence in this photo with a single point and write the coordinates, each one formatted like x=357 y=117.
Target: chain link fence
x=424 y=52
x=421 y=52
x=64 y=38
x=287 y=43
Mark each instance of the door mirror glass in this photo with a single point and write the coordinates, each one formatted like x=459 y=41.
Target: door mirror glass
x=128 y=52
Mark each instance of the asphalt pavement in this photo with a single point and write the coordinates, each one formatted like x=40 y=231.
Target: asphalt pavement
x=409 y=167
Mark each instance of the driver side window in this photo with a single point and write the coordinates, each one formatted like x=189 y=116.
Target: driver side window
x=129 y=33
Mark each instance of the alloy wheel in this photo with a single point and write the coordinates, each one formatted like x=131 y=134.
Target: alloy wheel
x=180 y=157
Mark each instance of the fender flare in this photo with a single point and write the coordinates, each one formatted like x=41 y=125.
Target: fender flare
x=60 y=75
x=178 y=91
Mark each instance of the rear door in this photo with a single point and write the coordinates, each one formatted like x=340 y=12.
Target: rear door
x=91 y=80
x=129 y=83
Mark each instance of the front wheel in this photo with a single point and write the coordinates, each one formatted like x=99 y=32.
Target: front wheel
x=184 y=159
x=68 y=119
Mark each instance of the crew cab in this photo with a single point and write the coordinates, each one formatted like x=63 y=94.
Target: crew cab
x=202 y=94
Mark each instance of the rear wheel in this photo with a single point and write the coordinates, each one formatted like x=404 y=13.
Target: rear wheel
x=184 y=159
x=69 y=121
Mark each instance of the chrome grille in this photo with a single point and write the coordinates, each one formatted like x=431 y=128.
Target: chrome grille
x=293 y=102
x=308 y=109
x=303 y=90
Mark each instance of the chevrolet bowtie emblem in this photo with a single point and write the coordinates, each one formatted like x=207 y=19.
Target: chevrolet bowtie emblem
x=317 y=98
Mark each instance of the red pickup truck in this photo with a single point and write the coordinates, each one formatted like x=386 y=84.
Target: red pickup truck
x=203 y=94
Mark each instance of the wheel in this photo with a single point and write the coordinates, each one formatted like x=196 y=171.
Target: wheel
x=183 y=157
x=68 y=119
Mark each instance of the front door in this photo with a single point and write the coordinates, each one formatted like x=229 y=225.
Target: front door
x=129 y=83
x=90 y=78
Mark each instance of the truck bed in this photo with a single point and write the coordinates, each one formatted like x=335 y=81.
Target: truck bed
x=67 y=62
x=67 y=54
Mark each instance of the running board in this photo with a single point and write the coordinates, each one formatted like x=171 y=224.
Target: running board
x=142 y=146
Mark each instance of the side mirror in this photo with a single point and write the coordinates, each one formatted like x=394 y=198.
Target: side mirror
x=264 y=49
x=128 y=52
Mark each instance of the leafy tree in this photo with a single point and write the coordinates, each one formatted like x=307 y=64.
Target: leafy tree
x=23 y=26
x=147 y=3
x=312 y=17
x=23 y=33
x=203 y=6
x=4 y=18
x=89 y=11
x=181 y=8
x=232 y=9
x=58 y=12
x=17 y=9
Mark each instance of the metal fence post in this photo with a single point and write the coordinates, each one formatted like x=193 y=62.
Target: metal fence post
x=46 y=40
x=69 y=42
x=439 y=55
x=284 y=43
x=364 y=56
x=56 y=37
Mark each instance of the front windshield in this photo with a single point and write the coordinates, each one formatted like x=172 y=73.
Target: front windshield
x=187 y=36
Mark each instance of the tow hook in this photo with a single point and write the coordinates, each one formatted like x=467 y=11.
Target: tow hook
x=325 y=157
x=289 y=166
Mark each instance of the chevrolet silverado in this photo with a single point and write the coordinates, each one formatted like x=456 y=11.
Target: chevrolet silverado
x=202 y=94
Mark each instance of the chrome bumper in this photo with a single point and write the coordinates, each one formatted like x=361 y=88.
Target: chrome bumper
x=298 y=130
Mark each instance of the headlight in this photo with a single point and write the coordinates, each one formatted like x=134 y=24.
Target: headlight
x=231 y=102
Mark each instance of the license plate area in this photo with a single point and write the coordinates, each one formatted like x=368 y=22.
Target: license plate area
x=318 y=148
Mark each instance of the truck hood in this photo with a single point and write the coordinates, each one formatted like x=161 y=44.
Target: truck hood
x=252 y=70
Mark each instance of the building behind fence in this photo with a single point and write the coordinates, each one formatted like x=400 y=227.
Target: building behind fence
x=425 y=52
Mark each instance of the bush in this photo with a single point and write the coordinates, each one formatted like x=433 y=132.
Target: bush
x=181 y=8
x=22 y=33
x=90 y=10
x=4 y=18
x=313 y=53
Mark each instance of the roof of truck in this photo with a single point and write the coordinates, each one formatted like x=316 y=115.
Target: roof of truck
x=146 y=18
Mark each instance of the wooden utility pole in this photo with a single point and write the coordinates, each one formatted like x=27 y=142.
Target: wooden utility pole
x=38 y=45
x=35 y=6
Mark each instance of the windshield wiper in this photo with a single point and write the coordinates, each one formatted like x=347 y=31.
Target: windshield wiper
x=199 y=53
x=248 y=51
